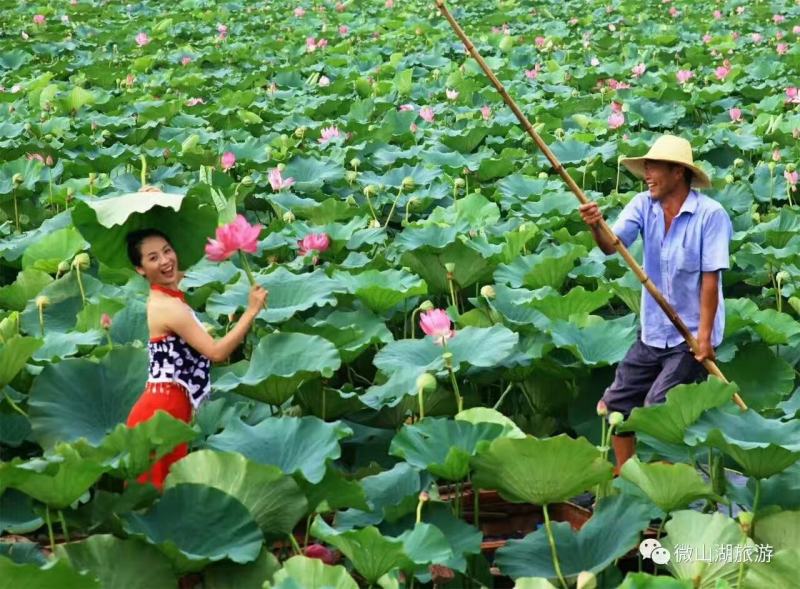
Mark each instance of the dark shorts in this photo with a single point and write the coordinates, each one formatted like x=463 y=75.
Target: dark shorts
x=646 y=374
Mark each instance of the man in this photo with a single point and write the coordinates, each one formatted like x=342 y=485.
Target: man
x=685 y=237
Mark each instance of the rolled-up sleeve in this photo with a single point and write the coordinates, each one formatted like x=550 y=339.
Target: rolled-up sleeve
x=717 y=232
x=630 y=221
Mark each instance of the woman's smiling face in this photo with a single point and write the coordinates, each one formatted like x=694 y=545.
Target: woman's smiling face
x=159 y=261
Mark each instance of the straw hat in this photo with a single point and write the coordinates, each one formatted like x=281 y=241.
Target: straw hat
x=669 y=148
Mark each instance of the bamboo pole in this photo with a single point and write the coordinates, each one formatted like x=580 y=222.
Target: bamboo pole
x=672 y=315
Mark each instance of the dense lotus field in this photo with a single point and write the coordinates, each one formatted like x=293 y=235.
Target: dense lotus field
x=390 y=179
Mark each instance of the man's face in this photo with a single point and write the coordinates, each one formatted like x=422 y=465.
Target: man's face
x=662 y=178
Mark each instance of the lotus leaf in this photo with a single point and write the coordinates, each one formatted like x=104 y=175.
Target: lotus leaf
x=669 y=486
x=312 y=573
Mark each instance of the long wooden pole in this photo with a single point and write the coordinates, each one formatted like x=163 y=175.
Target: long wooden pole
x=673 y=316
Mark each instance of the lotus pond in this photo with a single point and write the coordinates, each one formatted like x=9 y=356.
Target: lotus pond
x=342 y=446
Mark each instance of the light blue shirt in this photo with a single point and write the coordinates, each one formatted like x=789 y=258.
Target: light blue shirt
x=697 y=241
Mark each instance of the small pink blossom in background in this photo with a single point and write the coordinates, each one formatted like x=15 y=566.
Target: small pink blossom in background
x=223 y=31
x=739 y=9
x=277 y=181
x=779 y=35
x=228 y=160
x=573 y=21
x=236 y=235
x=616 y=120
x=195 y=101
x=405 y=107
x=343 y=30
x=776 y=155
x=299 y=11
x=130 y=80
x=105 y=321
x=674 y=12
x=736 y=114
x=340 y=7
x=324 y=81
x=533 y=73
x=328 y=133
x=413 y=127
x=616 y=106
x=436 y=323
x=594 y=62
x=38 y=19
x=142 y=39
x=707 y=38
x=186 y=60
x=793 y=95
x=778 y=18
x=796 y=29
x=15 y=88
x=756 y=37
x=273 y=88
x=311 y=44
x=389 y=4
x=322 y=43
x=318 y=242
x=735 y=35
x=782 y=48
x=717 y=15
x=451 y=94
x=722 y=72
x=791 y=178
x=426 y=112
x=539 y=41
x=616 y=85
x=638 y=70
x=320 y=552
x=48 y=161
x=486 y=112
x=684 y=75
x=73 y=2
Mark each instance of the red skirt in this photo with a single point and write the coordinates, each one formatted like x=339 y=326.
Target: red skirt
x=169 y=397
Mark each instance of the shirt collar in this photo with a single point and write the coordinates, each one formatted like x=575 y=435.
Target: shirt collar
x=689 y=205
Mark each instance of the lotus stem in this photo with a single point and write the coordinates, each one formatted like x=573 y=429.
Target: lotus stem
x=476 y=506
x=16 y=209
x=452 y=290
x=394 y=205
x=503 y=396
x=143 y=176
x=308 y=527
x=553 y=553
x=448 y=362
x=756 y=500
x=80 y=284
x=661 y=526
x=41 y=320
x=49 y=528
x=616 y=188
x=14 y=406
x=295 y=545
x=246 y=267
x=421 y=402
x=63 y=525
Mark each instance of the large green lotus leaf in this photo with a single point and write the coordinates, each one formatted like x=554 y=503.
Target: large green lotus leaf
x=230 y=575
x=577 y=301
x=14 y=354
x=774 y=327
x=780 y=530
x=645 y=581
x=288 y=294
x=312 y=573
x=177 y=525
x=294 y=444
x=782 y=490
x=48 y=252
x=23 y=552
x=350 y=331
x=533 y=583
x=540 y=470
x=310 y=172
x=27 y=285
x=611 y=532
x=56 y=573
x=684 y=405
x=59 y=345
x=391 y=494
x=779 y=571
x=381 y=290
x=128 y=452
x=699 y=534
x=429 y=263
x=478 y=415
x=763 y=378
x=762 y=447
x=57 y=480
x=394 y=177
x=426 y=544
x=435 y=236
x=549 y=268
x=16 y=513
x=14 y=428
x=273 y=498
x=119 y=563
x=280 y=362
x=333 y=492
x=669 y=486
x=513 y=304
x=80 y=398
x=443 y=446
x=598 y=344
x=104 y=223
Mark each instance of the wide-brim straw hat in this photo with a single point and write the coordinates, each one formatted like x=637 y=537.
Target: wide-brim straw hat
x=669 y=148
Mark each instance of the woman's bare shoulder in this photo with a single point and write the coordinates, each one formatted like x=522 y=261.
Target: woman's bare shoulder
x=160 y=309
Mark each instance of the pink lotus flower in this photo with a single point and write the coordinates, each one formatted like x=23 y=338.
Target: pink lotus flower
x=322 y=43
x=228 y=160
x=321 y=552
x=796 y=29
x=735 y=34
x=594 y=62
x=674 y=12
x=739 y=9
x=486 y=112
x=389 y=4
x=195 y=101
x=426 y=112
x=236 y=235
x=616 y=120
x=186 y=60
x=707 y=38
x=329 y=133
x=615 y=85
x=340 y=7
x=616 y=106
x=756 y=37
x=38 y=19
x=105 y=321
x=736 y=114
x=684 y=76
x=722 y=72
x=436 y=324
x=778 y=18
x=451 y=94
x=776 y=155
x=343 y=30
x=405 y=107
x=533 y=73
x=311 y=44
x=779 y=35
x=223 y=31
x=47 y=161
x=717 y=15
x=324 y=81
x=318 y=242
x=793 y=95
x=276 y=180
x=791 y=177
x=539 y=41
x=142 y=39
x=299 y=11
x=638 y=70
x=413 y=127
x=782 y=48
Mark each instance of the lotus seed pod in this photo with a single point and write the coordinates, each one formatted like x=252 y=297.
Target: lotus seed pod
x=450 y=267
x=426 y=382
x=756 y=216
x=300 y=132
x=374 y=224
x=771 y=166
x=370 y=190
x=587 y=580
x=790 y=168
x=281 y=167
x=745 y=521
x=729 y=179
x=350 y=201
x=17 y=179
x=247 y=181
x=288 y=217
x=355 y=162
x=408 y=183
x=42 y=301
x=63 y=266
x=615 y=418
x=488 y=292
x=81 y=261
x=543 y=176
x=738 y=162
x=351 y=176
x=782 y=276
x=426 y=306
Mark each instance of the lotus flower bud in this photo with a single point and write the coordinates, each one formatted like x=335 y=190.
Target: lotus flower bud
x=355 y=162
x=288 y=217
x=63 y=267
x=9 y=326
x=602 y=408
x=790 y=168
x=738 y=162
x=488 y=292
x=351 y=176
x=105 y=321
x=300 y=132
x=615 y=418
x=81 y=261
x=281 y=167
x=587 y=580
x=374 y=224
x=746 y=521
x=782 y=276
x=459 y=182
x=729 y=179
x=756 y=216
x=408 y=183
x=543 y=176
x=426 y=382
x=424 y=496
x=350 y=200
x=448 y=359
x=42 y=301
x=247 y=181
x=450 y=267
x=426 y=306
x=370 y=190
x=771 y=166
x=17 y=179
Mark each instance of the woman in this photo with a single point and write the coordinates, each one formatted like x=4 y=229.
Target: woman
x=180 y=349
